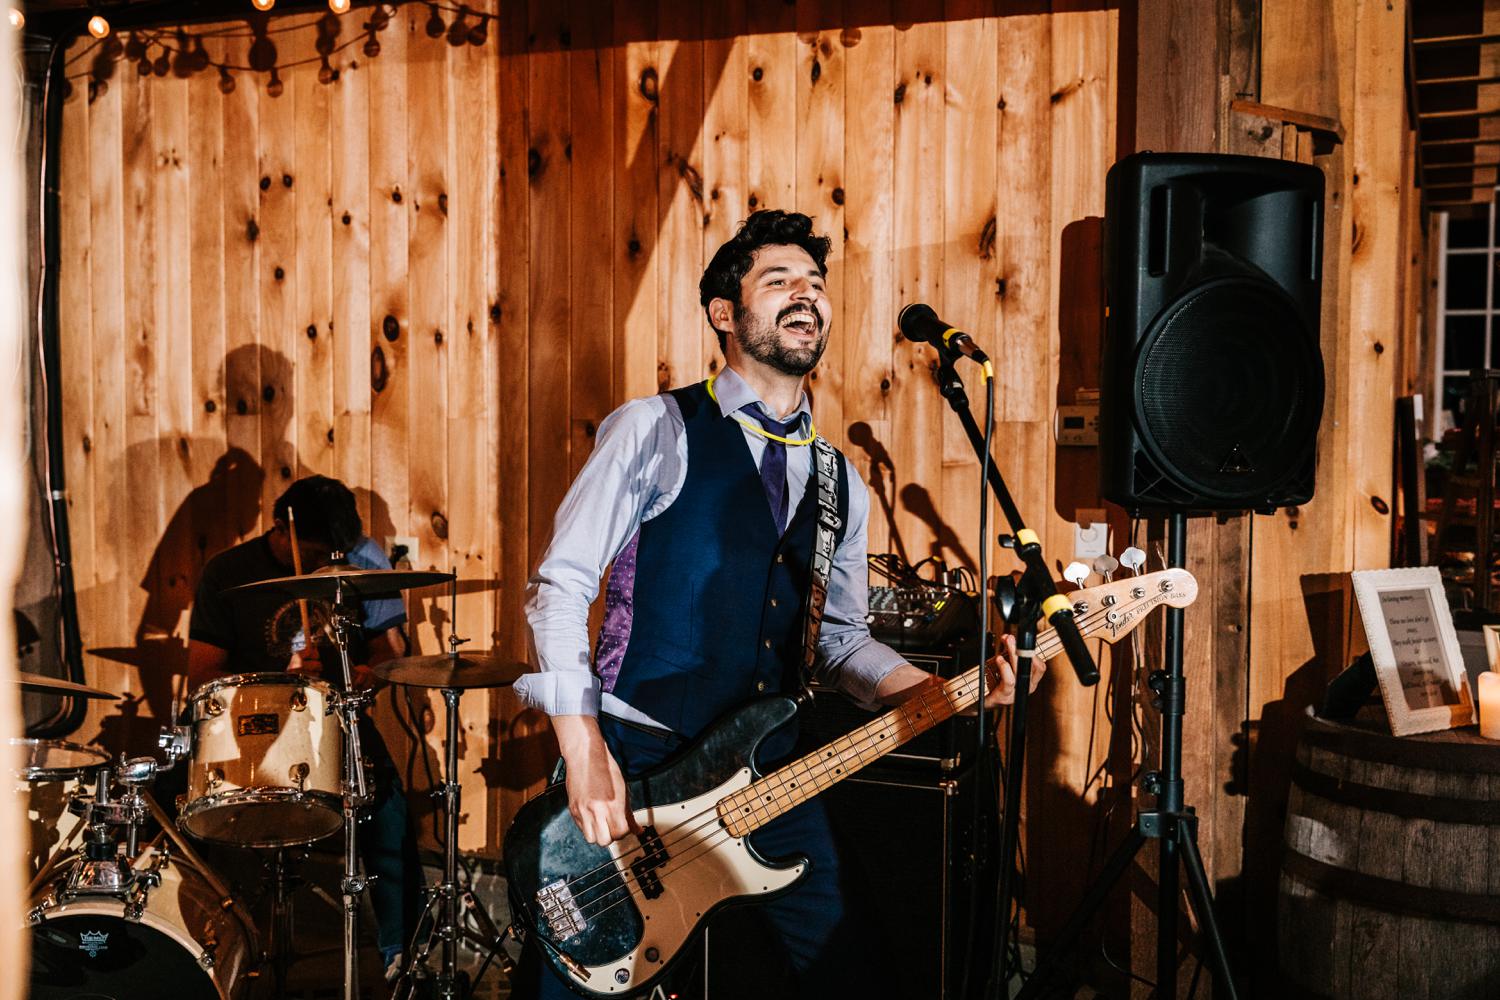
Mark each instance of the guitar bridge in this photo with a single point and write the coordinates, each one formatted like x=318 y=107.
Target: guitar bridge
x=560 y=911
x=653 y=856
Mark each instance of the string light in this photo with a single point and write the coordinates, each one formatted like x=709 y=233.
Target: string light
x=263 y=4
x=338 y=6
x=98 y=26
x=435 y=26
x=17 y=19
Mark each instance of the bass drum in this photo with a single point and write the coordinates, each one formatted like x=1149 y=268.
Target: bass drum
x=186 y=944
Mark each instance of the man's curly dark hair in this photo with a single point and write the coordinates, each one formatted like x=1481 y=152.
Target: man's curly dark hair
x=768 y=227
x=326 y=512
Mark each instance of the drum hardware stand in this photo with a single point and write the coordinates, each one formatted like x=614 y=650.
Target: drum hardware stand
x=450 y=923
x=356 y=793
x=102 y=869
x=279 y=948
x=1172 y=823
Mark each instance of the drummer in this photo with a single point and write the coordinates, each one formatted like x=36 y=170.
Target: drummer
x=261 y=630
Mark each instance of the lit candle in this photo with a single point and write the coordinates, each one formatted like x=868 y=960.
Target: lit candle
x=1489 y=705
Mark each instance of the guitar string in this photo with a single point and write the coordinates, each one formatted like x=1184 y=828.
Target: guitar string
x=712 y=843
x=610 y=869
x=952 y=701
x=819 y=771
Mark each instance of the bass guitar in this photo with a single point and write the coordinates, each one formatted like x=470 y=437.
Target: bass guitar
x=612 y=920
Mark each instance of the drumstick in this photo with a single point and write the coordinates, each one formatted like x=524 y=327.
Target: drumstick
x=291 y=523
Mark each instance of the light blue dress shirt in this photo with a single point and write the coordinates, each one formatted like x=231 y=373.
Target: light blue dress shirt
x=636 y=470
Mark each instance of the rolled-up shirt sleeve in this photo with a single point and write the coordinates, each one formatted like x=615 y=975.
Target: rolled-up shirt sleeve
x=615 y=491
x=849 y=657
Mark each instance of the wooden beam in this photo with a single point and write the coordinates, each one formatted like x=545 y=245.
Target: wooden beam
x=1439 y=81
x=1451 y=41
x=1331 y=127
x=1462 y=142
x=1467 y=165
x=1456 y=185
x=1430 y=116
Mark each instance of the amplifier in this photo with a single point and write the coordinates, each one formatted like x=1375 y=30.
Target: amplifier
x=907 y=851
x=945 y=747
x=917 y=617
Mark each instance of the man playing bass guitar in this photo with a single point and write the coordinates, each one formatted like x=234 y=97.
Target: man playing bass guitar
x=704 y=503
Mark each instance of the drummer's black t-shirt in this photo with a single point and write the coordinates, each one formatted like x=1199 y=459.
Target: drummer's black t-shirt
x=258 y=627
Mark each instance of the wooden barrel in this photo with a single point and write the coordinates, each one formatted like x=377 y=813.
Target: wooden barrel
x=1390 y=886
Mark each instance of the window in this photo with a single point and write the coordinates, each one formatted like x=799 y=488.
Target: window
x=1468 y=304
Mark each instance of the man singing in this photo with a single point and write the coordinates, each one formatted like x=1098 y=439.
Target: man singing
x=703 y=501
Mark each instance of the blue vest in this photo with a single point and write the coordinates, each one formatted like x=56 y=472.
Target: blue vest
x=718 y=597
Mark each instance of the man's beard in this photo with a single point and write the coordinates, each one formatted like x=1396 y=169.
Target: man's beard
x=763 y=341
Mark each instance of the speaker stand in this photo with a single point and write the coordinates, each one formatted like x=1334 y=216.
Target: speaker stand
x=1172 y=824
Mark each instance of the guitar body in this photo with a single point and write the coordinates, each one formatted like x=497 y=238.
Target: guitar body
x=612 y=921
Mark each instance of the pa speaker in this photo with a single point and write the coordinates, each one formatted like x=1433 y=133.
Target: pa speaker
x=1212 y=383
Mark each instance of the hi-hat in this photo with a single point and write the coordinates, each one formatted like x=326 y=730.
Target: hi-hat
x=445 y=670
x=56 y=685
x=329 y=580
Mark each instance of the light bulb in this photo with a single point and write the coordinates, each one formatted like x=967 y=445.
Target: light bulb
x=338 y=6
x=17 y=19
x=263 y=4
x=98 y=26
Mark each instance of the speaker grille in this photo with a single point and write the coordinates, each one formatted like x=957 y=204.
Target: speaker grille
x=1229 y=390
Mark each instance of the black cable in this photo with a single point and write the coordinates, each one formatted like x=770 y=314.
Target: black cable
x=984 y=638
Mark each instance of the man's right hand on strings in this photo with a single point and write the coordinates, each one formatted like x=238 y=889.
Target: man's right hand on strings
x=596 y=788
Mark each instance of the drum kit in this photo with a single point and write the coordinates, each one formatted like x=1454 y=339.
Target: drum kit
x=273 y=762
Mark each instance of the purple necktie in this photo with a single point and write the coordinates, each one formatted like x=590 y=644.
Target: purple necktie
x=773 y=461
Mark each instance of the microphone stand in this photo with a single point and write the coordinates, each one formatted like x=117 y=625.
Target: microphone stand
x=1035 y=597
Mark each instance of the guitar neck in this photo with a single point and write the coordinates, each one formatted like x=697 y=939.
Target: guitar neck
x=762 y=801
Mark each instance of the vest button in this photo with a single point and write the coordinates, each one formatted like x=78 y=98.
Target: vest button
x=773 y=602
x=780 y=558
x=760 y=685
x=766 y=643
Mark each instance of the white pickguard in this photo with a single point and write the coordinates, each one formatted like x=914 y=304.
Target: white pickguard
x=705 y=866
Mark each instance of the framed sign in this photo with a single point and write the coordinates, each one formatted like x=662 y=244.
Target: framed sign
x=1415 y=649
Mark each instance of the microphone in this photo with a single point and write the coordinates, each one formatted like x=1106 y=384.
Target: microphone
x=920 y=324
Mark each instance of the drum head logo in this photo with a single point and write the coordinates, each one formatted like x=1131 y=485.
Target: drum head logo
x=93 y=942
x=259 y=724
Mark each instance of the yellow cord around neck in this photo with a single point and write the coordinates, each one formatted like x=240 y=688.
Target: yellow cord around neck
x=751 y=425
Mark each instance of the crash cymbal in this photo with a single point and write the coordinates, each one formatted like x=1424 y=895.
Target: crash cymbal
x=355 y=582
x=445 y=671
x=55 y=685
x=56 y=760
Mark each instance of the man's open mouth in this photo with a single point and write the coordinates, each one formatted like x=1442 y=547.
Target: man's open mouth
x=803 y=321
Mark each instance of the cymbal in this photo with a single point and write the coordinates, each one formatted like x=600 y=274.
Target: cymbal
x=355 y=582
x=56 y=760
x=446 y=671
x=55 y=685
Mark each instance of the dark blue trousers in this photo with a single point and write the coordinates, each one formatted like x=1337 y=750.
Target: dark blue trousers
x=826 y=946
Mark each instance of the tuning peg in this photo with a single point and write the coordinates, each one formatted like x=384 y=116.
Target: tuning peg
x=1076 y=573
x=1133 y=559
x=1105 y=565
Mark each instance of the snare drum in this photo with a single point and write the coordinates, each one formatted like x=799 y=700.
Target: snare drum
x=266 y=761
x=178 y=939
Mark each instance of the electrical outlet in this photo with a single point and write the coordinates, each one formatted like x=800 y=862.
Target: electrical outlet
x=404 y=551
x=1090 y=535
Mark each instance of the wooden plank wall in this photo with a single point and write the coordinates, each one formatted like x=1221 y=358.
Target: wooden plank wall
x=436 y=275
x=1281 y=621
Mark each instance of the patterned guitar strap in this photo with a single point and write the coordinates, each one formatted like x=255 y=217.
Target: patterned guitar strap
x=826 y=474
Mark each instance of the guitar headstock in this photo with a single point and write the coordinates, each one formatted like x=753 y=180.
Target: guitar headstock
x=1111 y=610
